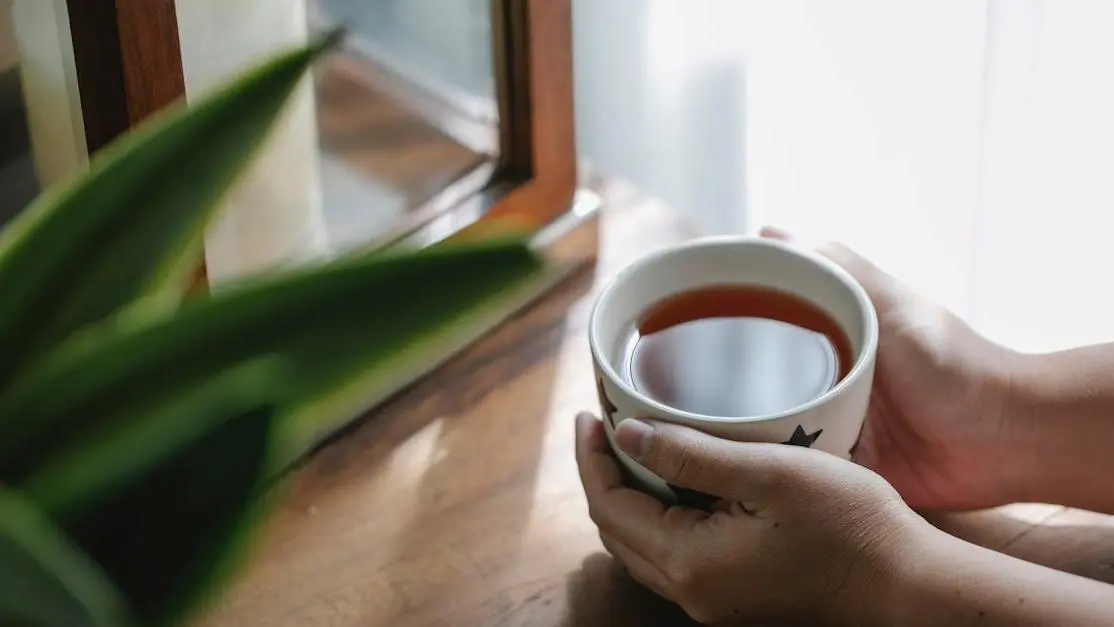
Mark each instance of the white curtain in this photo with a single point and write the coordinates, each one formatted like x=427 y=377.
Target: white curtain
x=966 y=145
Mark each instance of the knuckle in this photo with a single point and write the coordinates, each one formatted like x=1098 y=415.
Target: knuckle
x=685 y=462
x=594 y=514
x=777 y=479
x=675 y=516
x=777 y=473
x=607 y=546
x=839 y=253
x=680 y=572
x=606 y=518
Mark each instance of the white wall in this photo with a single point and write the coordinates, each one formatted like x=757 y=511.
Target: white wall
x=855 y=119
x=661 y=101
x=965 y=145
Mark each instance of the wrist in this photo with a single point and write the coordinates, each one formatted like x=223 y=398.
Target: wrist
x=998 y=451
x=898 y=600
x=1060 y=426
x=878 y=588
x=1010 y=385
x=1023 y=417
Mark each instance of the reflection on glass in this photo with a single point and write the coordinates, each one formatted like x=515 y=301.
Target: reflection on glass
x=442 y=44
x=407 y=112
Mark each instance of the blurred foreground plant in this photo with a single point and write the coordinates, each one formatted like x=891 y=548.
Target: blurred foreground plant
x=138 y=425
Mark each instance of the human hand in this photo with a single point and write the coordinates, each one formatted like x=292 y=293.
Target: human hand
x=937 y=427
x=798 y=533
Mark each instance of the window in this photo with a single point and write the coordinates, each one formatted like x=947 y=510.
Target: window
x=433 y=117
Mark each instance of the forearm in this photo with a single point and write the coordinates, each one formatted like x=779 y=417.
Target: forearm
x=946 y=581
x=1061 y=425
x=1072 y=541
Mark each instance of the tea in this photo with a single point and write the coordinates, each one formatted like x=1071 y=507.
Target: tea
x=735 y=351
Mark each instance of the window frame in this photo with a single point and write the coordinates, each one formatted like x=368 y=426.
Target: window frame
x=129 y=66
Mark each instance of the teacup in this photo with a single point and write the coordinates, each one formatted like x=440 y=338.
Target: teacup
x=830 y=422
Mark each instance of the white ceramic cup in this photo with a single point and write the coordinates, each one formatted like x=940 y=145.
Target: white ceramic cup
x=830 y=423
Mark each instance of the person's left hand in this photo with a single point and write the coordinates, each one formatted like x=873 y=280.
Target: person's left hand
x=797 y=532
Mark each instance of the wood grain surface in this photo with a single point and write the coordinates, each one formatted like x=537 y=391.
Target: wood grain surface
x=458 y=504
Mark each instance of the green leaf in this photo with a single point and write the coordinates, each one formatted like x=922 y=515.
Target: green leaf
x=130 y=226
x=331 y=324
x=170 y=536
x=44 y=580
x=162 y=494
x=95 y=457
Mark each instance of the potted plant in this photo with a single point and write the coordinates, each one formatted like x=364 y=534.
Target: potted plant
x=140 y=422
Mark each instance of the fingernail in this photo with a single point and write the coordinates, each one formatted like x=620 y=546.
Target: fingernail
x=773 y=232
x=584 y=421
x=632 y=436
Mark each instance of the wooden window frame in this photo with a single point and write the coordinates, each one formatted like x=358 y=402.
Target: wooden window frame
x=129 y=65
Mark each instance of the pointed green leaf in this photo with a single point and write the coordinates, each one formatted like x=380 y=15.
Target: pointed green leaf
x=331 y=324
x=110 y=487
x=94 y=457
x=170 y=537
x=44 y=580
x=130 y=226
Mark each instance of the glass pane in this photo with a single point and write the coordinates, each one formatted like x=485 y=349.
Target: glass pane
x=405 y=117
x=444 y=44
x=407 y=113
x=17 y=178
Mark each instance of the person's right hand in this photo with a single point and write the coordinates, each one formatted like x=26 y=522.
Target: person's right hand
x=937 y=427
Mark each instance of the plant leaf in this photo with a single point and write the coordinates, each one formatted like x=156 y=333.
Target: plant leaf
x=160 y=494
x=130 y=226
x=44 y=580
x=331 y=324
x=171 y=535
x=94 y=458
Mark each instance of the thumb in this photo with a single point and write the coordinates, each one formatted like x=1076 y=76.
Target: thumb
x=687 y=458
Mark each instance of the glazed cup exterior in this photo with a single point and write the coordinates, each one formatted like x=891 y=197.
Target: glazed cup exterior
x=830 y=423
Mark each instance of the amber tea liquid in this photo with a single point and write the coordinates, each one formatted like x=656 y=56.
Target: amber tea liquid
x=735 y=351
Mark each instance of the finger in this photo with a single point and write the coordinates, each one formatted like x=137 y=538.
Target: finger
x=772 y=232
x=835 y=251
x=746 y=472
x=885 y=290
x=639 y=569
x=593 y=455
x=614 y=507
x=845 y=257
x=642 y=522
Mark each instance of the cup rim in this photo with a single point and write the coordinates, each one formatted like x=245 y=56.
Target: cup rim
x=862 y=361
